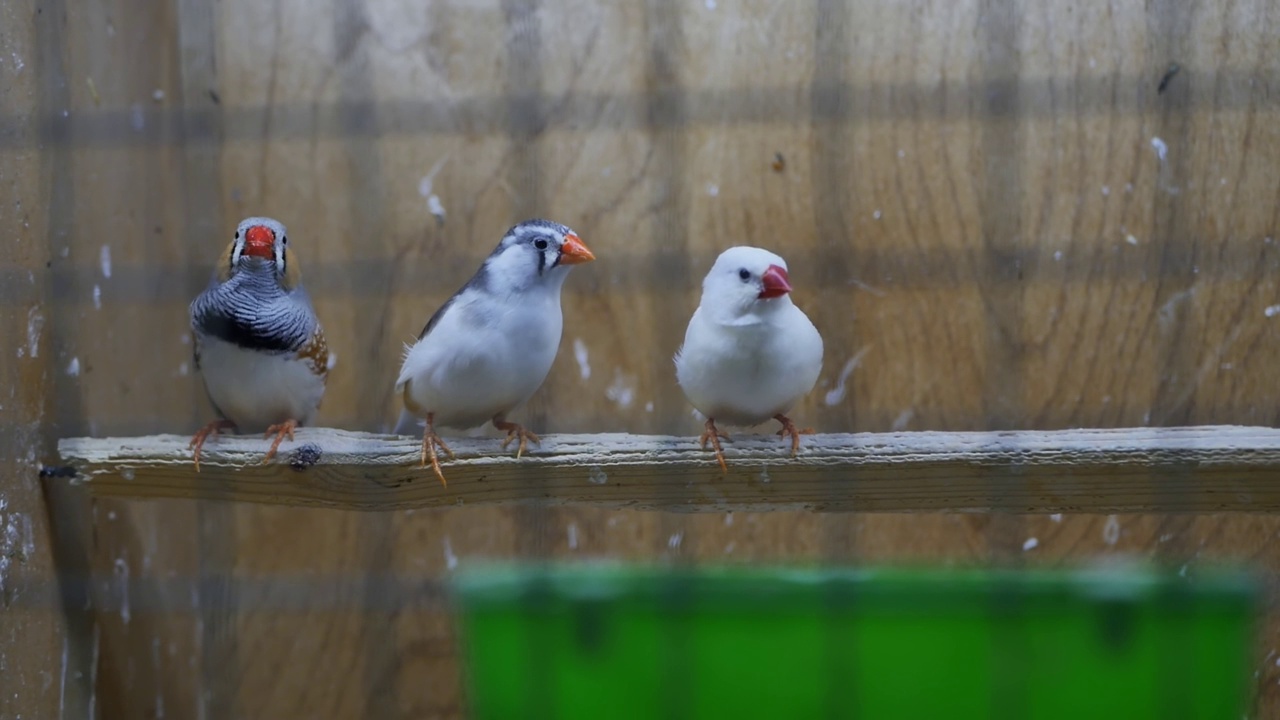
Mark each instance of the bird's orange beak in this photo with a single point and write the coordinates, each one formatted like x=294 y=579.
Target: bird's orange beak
x=574 y=251
x=775 y=283
x=260 y=241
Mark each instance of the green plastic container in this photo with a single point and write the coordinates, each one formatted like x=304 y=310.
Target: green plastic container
x=605 y=641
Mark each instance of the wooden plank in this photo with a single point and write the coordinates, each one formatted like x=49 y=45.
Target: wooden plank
x=40 y=651
x=1190 y=469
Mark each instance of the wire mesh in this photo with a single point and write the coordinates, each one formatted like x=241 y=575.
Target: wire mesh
x=899 y=270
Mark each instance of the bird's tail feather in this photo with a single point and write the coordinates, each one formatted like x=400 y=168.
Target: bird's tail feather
x=409 y=424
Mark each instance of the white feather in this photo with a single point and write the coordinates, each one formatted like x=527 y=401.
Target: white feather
x=744 y=359
x=484 y=357
x=255 y=389
x=490 y=349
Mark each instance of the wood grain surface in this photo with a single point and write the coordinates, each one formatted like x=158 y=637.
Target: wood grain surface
x=1002 y=215
x=39 y=633
x=1204 y=469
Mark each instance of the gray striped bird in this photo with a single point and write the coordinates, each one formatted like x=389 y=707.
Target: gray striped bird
x=490 y=346
x=257 y=341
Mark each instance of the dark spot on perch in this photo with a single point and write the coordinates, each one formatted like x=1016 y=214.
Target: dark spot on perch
x=305 y=456
x=779 y=163
x=213 y=95
x=57 y=471
x=1168 y=75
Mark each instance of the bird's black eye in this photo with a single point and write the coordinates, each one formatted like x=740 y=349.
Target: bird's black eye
x=237 y=237
x=284 y=240
x=540 y=243
x=744 y=274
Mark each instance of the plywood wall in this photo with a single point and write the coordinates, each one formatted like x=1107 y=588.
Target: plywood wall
x=34 y=634
x=1000 y=214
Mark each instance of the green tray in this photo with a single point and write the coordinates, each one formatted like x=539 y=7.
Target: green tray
x=606 y=641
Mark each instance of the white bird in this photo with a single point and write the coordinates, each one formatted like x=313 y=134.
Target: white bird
x=490 y=346
x=749 y=353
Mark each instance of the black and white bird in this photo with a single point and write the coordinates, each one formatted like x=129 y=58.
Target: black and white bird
x=749 y=353
x=490 y=346
x=257 y=341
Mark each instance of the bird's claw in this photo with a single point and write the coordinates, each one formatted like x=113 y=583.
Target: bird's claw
x=430 y=440
x=514 y=431
x=789 y=429
x=523 y=435
x=706 y=437
x=281 y=431
x=204 y=433
x=713 y=435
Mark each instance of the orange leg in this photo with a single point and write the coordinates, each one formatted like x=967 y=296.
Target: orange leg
x=429 y=442
x=281 y=430
x=789 y=428
x=712 y=434
x=205 y=433
x=514 y=431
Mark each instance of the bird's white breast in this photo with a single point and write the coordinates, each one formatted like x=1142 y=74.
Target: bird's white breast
x=746 y=374
x=484 y=357
x=255 y=389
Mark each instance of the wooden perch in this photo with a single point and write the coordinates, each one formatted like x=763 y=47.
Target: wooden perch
x=1190 y=469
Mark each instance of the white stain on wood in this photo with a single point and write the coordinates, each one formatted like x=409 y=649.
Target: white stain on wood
x=836 y=394
x=104 y=261
x=584 y=362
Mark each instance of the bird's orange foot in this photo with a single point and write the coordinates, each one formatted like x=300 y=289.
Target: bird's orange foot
x=206 y=432
x=515 y=431
x=713 y=435
x=281 y=430
x=430 y=441
x=789 y=429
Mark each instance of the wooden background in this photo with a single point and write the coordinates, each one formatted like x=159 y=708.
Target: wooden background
x=989 y=207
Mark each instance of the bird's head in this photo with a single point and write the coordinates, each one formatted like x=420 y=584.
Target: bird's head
x=260 y=247
x=746 y=279
x=535 y=252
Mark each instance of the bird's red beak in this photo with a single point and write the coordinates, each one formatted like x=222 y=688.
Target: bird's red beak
x=775 y=283
x=260 y=241
x=574 y=251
